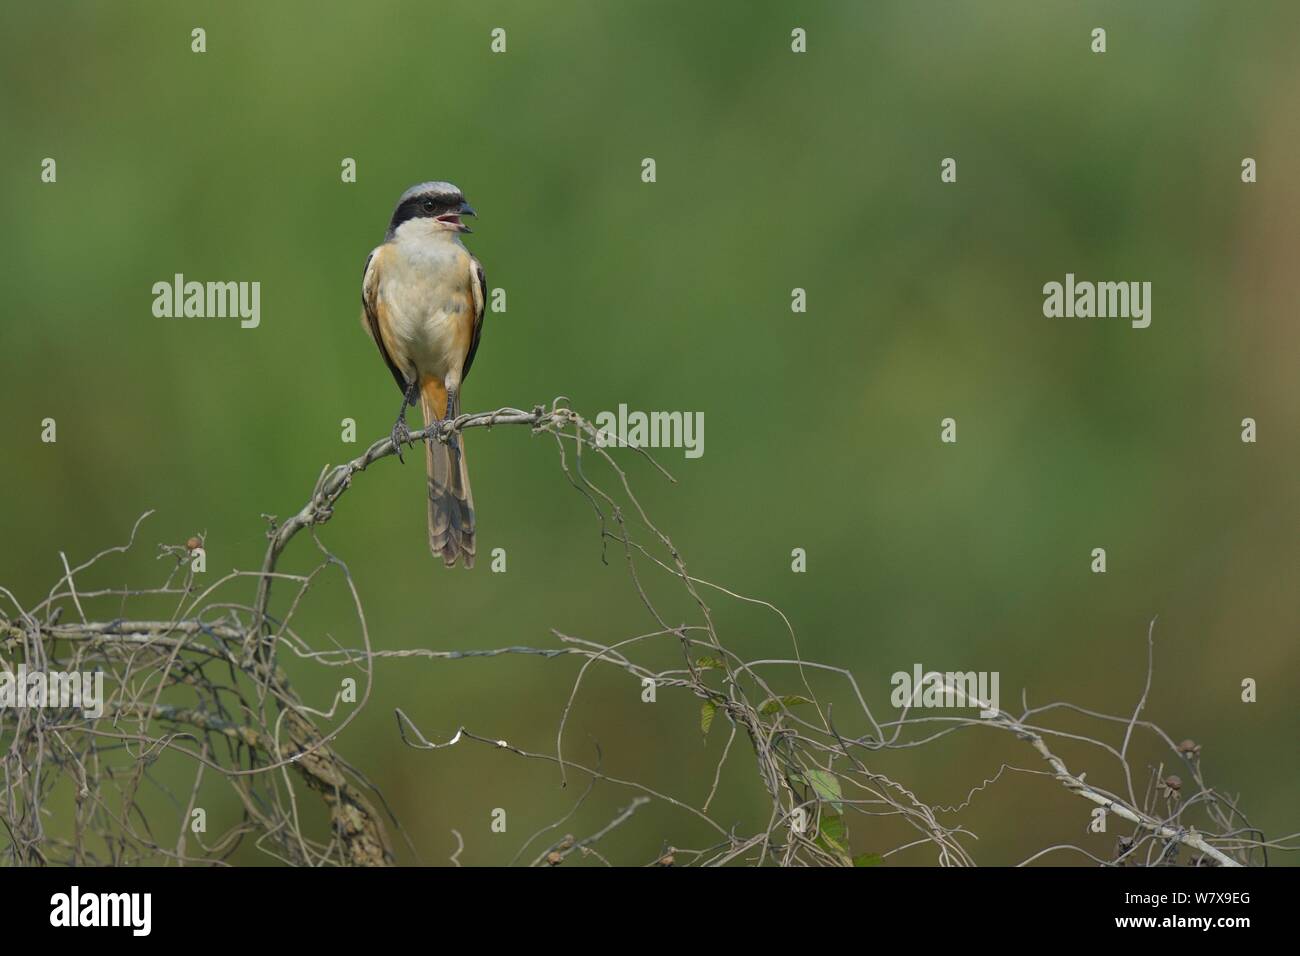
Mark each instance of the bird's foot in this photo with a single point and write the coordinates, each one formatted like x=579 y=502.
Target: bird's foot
x=441 y=431
x=401 y=435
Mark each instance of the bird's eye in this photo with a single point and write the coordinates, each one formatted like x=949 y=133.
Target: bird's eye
x=428 y=205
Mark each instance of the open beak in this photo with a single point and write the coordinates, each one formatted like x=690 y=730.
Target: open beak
x=465 y=210
x=453 y=218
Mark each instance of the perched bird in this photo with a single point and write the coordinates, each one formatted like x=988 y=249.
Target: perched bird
x=422 y=297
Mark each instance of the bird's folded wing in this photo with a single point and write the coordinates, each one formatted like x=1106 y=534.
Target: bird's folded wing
x=372 y=318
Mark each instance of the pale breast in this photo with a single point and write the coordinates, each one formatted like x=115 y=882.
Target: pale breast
x=426 y=293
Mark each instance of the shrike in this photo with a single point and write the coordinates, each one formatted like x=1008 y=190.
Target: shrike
x=422 y=300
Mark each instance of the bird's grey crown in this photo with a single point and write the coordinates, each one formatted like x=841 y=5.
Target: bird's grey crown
x=435 y=190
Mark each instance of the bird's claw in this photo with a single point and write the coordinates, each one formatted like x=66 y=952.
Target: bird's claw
x=401 y=436
x=441 y=431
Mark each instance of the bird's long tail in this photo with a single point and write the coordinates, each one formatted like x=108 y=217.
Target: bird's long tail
x=451 y=504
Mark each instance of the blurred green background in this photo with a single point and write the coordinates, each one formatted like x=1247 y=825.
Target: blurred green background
x=775 y=171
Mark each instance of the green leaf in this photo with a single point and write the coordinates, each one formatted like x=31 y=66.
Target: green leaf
x=707 y=713
x=868 y=859
x=834 y=829
x=773 y=704
x=833 y=837
x=710 y=663
x=827 y=788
